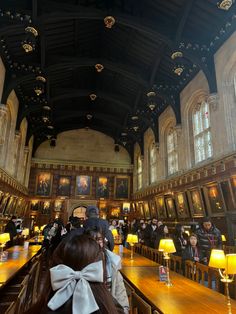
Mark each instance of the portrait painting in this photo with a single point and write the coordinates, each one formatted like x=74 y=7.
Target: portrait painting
x=196 y=203
x=115 y=212
x=160 y=205
x=170 y=207
x=227 y=195
x=34 y=205
x=102 y=190
x=233 y=186
x=146 y=210
x=122 y=187
x=126 y=208
x=83 y=185
x=64 y=186
x=4 y=202
x=1 y=198
x=43 y=184
x=214 y=200
x=58 y=204
x=140 y=209
x=8 y=209
x=181 y=205
x=18 y=206
x=46 y=208
x=152 y=207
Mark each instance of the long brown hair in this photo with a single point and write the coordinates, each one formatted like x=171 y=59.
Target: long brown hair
x=79 y=252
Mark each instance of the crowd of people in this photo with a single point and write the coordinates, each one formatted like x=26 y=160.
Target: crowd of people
x=84 y=272
x=195 y=245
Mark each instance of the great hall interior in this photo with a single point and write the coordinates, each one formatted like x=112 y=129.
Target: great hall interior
x=128 y=107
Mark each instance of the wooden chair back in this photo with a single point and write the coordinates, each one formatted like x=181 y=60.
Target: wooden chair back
x=11 y=309
x=189 y=269
x=139 y=306
x=130 y=290
x=30 y=286
x=137 y=248
x=21 y=305
x=176 y=263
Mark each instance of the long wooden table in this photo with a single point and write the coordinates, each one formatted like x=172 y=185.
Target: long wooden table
x=18 y=257
x=184 y=297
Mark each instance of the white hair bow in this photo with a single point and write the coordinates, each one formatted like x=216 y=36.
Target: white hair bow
x=69 y=283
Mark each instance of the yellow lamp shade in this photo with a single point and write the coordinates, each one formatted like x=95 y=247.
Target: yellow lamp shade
x=167 y=246
x=114 y=232
x=4 y=238
x=223 y=238
x=132 y=238
x=25 y=232
x=217 y=259
x=231 y=264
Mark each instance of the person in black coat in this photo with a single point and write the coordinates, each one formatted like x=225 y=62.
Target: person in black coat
x=150 y=234
x=93 y=220
x=192 y=252
x=11 y=229
x=180 y=239
x=209 y=237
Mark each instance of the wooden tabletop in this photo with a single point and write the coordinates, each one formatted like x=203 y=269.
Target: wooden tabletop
x=18 y=257
x=138 y=260
x=36 y=240
x=184 y=297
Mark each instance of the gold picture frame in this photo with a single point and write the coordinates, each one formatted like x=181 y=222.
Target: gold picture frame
x=122 y=187
x=43 y=185
x=83 y=185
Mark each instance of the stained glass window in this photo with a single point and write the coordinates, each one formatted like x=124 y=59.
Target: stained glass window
x=202 y=132
x=172 y=154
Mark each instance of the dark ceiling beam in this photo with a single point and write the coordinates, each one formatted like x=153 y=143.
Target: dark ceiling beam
x=79 y=12
x=156 y=64
x=34 y=10
x=71 y=62
x=73 y=93
x=186 y=8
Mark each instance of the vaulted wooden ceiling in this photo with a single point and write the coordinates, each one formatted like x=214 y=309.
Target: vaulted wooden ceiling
x=135 y=53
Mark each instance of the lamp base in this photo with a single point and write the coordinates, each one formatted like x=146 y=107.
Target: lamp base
x=169 y=284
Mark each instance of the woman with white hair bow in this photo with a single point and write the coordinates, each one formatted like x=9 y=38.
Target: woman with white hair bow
x=77 y=279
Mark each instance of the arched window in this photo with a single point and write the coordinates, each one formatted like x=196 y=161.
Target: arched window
x=172 y=154
x=139 y=172
x=152 y=160
x=202 y=132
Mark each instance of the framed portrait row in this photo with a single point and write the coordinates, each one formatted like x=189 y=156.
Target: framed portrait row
x=12 y=205
x=45 y=207
x=83 y=186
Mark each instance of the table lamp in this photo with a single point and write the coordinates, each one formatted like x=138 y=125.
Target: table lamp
x=4 y=238
x=132 y=239
x=227 y=268
x=25 y=232
x=167 y=246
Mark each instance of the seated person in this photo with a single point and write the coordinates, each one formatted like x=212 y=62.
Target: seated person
x=192 y=251
x=114 y=280
x=77 y=279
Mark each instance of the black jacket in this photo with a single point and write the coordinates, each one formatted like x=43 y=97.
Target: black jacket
x=11 y=229
x=102 y=224
x=189 y=254
x=150 y=236
x=209 y=239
